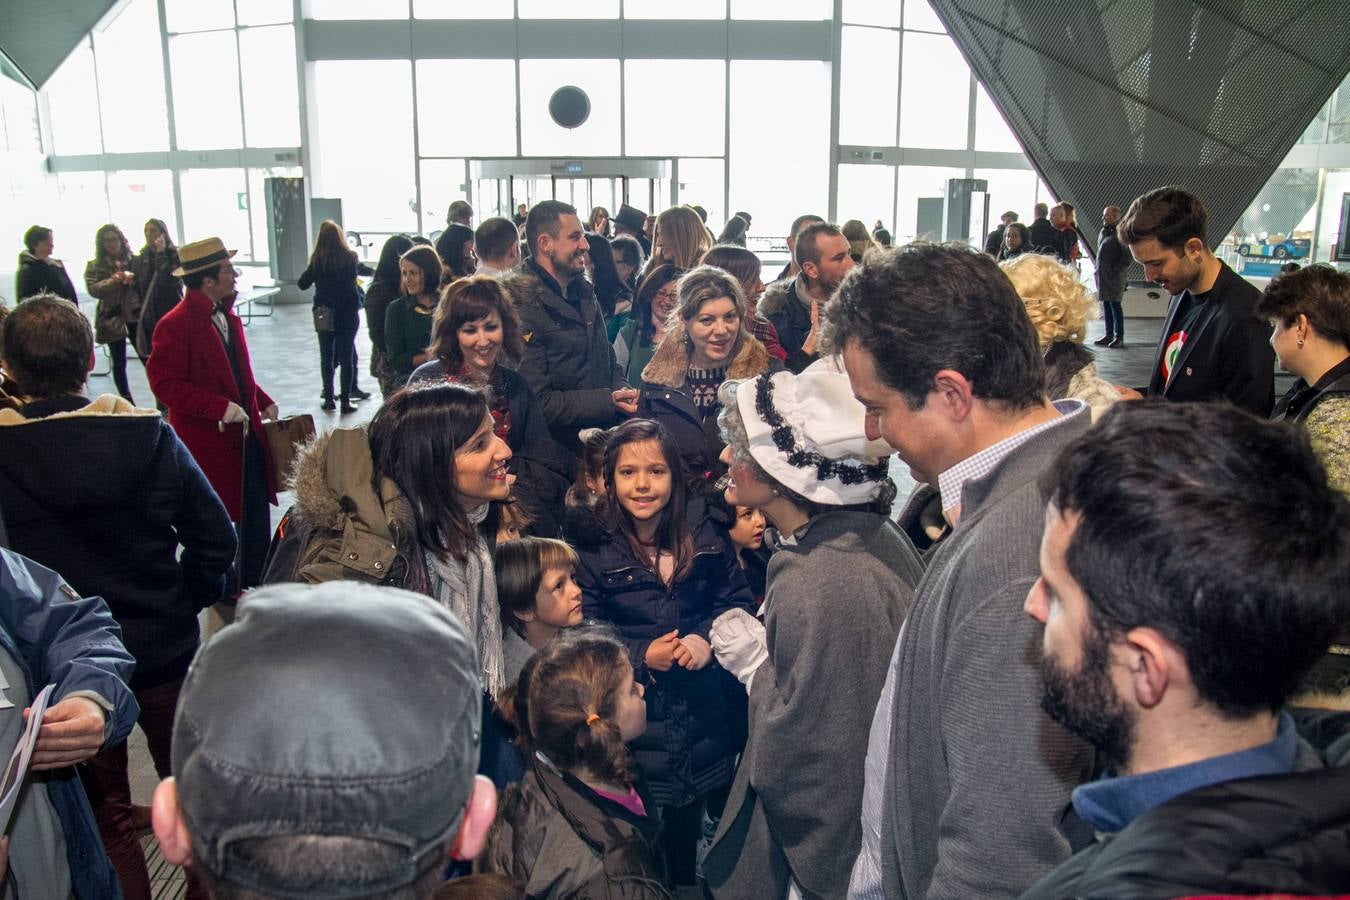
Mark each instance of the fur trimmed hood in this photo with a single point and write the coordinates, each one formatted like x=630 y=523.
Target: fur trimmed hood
x=776 y=296
x=331 y=480
x=670 y=362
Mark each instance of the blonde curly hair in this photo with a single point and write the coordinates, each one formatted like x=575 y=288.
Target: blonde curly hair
x=1058 y=304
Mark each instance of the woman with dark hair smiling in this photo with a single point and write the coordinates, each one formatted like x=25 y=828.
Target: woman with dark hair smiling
x=474 y=326
x=400 y=502
x=407 y=321
x=637 y=339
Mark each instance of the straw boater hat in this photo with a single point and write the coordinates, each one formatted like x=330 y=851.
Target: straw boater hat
x=806 y=431
x=201 y=255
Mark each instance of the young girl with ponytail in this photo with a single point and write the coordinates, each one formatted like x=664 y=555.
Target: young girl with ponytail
x=575 y=826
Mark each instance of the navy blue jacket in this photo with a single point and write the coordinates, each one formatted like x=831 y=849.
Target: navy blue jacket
x=689 y=746
x=60 y=638
x=106 y=494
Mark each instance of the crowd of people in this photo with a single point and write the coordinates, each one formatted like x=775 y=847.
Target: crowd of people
x=610 y=598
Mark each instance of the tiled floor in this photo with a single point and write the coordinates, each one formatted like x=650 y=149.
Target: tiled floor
x=286 y=363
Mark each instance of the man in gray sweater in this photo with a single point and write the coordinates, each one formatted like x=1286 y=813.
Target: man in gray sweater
x=967 y=780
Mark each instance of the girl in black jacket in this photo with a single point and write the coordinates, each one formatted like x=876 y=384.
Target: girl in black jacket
x=332 y=272
x=661 y=573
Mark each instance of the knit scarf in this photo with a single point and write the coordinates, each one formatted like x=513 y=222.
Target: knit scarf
x=468 y=589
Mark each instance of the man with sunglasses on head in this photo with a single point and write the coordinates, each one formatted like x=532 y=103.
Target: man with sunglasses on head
x=200 y=370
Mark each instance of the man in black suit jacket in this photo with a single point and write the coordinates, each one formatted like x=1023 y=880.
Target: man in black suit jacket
x=1214 y=346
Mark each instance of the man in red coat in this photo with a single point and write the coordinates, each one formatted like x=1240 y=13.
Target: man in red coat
x=199 y=368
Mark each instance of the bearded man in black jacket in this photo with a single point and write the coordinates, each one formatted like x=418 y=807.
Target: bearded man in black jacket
x=1184 y=599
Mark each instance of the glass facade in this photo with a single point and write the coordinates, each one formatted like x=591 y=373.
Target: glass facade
x=393 y=123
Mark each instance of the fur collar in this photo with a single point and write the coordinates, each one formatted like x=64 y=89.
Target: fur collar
x=104 y=405
x=776 y=297
x=670 y=362
x=331 y=480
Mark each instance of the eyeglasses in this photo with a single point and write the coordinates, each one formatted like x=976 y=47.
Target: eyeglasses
x=666 y=295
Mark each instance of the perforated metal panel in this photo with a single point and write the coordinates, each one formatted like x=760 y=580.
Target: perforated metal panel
x=1111 y=99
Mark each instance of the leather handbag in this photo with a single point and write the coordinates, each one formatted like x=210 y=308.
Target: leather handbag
x=323 y=319
x=284 y=438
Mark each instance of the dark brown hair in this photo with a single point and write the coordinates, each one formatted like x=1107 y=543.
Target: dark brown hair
x=47 y=344
x=101 y=255
x=657 y=277
x=1169 y=214
x=521 y=566
x=580 y=672
x=1319 y=292
x=413 y=439
x=424 y=257
x=672 y=530
x=468 y=300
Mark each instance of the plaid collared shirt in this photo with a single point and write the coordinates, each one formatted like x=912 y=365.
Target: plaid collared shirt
x=951 y=482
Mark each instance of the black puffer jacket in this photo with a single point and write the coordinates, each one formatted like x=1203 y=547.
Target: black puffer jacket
x=37 y=275
x=688 y=748
x=336 y=288
x=568 y=360
x=1277 y=834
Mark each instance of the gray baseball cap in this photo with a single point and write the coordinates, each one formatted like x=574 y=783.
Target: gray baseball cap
x=339 y=709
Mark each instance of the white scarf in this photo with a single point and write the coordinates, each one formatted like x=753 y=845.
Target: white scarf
x=469 y=590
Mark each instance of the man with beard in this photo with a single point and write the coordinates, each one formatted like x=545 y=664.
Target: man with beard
x=1214 y=346
x=1184 y=599
x=793 y=305
x=568 y=361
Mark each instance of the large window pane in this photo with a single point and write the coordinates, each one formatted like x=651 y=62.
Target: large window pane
x=919 y=14
x=884 y=13
x=464 y=9
x=703 y=181
x=370 y=169
x=27 y=191
x=441 y=129
x=134 y=197
x=991 y=132
x=264 y=12
x=598 y=135
x=934 y=93
x=73 y=106
x=358 y=9
x=867 y=193
x=916 y=183
x=271 y=98
x=699 y=129
x=773 y=178
x=803 y=10
x=443 y=184
x=552 y=9
x=82 y=206
x=206 y=94
x=215 y=203
x=198 y=15
x=1010 y=190
x=664 y=9
x=131 y=81
x=869 y=66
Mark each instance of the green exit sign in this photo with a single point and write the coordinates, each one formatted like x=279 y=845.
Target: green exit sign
x=241 y=198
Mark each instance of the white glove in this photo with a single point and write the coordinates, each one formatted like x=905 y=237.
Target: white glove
x=271 y=412
x=234 y=414
x=739 y=644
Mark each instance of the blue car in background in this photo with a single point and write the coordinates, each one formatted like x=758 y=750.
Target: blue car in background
x=1289 y=248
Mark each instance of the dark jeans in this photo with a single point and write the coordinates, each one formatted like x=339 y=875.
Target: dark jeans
x=105 y=781
x=337 y=349
x=117 y=351
x=1115 y=318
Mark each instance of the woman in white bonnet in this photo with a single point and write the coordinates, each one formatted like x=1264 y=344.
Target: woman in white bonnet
x=839 y=584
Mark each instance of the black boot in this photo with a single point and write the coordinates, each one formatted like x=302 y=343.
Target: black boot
x=1104 y=342
x=1116 y=342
